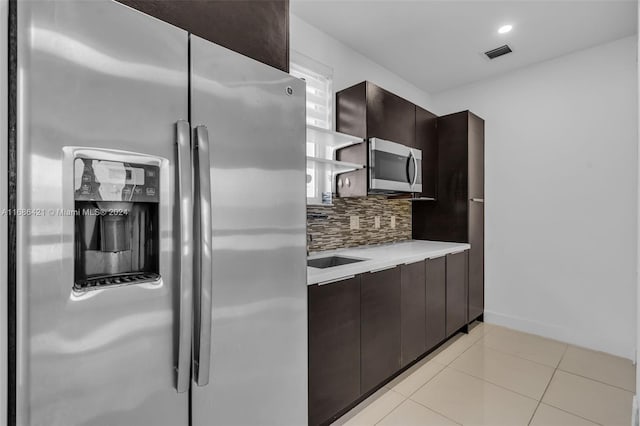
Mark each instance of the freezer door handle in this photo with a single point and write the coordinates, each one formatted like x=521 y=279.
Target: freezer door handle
x=203 y=279
x=185 y=195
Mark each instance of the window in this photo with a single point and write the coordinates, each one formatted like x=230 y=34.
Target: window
x=319 y=79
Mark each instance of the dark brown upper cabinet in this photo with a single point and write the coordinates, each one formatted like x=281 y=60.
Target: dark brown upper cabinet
x=390 y=117
x=369 y=111
x=258 y=29
x=380 y=327
x=427 y=141
x=458 y=213
x=334 y=348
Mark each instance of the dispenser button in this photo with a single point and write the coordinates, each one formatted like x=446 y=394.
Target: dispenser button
x=151 y=191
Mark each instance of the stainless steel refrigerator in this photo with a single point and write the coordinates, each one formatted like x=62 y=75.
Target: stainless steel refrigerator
x=160 y=231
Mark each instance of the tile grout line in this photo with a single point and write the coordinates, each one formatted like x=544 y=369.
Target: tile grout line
x=540 y=337
x=389 y=413
x=404 y=399
x=351 y=414
x=573 y=414
x=521 y=357
x=548 y=384
x=444 y=367
x=503 y=352
x=373 y=402
x=596 y=380
x=460 y=354
x=557 y=367
x=494 y=384
x=504 y=388
x=435 y=411
x=448 y=365
x=422 y=385
x=409 y=397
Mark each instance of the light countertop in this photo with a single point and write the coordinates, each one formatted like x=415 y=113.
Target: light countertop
x=380 y=256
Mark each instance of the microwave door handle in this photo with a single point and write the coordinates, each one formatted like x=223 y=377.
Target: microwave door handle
x=204 y=275
x=185 y=198
x=415 y=169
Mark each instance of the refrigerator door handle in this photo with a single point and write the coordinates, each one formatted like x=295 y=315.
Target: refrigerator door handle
x=204 y=275
x=185 y=195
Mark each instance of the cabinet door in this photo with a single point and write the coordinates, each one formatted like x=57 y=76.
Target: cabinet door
x=390 y=117
x=447 y=219
x=351 y=111
x=456 y=292
x=476 y=259
x=436 y=294
x=427 y=142
x=334 y=348
x=413 y=311
x=380 y=326
x=258 y=29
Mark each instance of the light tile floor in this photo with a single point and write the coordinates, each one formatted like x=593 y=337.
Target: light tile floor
x=498 y=376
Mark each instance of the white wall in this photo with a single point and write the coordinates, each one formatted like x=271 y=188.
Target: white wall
x=561 y=195
x=349 y=66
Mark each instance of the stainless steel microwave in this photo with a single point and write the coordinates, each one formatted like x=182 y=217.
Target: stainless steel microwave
x=394 y=167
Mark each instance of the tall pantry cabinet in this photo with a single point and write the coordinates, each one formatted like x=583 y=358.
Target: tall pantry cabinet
x=458 y=213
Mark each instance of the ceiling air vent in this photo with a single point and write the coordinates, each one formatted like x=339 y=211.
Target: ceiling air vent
x=498 y=51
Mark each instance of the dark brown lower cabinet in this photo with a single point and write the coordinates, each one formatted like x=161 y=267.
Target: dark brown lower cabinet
x=334 y=348
x=436 y=307
x=457 y=276
x=380 y=327
x=412 y=311
x=476 y=259
x=365 y=329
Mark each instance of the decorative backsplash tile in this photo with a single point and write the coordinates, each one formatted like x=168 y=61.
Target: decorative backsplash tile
x=335 y=231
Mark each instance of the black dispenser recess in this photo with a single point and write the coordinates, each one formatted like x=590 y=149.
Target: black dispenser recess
x=116 y=223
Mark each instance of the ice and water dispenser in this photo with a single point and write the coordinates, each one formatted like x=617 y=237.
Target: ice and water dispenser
x=116 y=223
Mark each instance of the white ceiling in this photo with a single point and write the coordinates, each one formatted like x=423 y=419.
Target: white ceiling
x=437 y=45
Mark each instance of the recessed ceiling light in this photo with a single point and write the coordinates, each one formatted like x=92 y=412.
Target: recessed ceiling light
x=505 y=29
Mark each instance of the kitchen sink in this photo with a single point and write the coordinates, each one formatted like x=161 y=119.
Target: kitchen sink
x=331 y=261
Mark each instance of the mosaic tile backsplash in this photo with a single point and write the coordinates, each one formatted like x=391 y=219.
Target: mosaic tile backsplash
x=335 y=231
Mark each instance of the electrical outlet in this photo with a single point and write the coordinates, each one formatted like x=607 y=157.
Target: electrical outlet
x=376 y=222
x=354 y=222
x=393 y=222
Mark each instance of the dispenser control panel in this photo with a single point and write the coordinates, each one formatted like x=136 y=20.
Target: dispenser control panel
x=101 y=180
